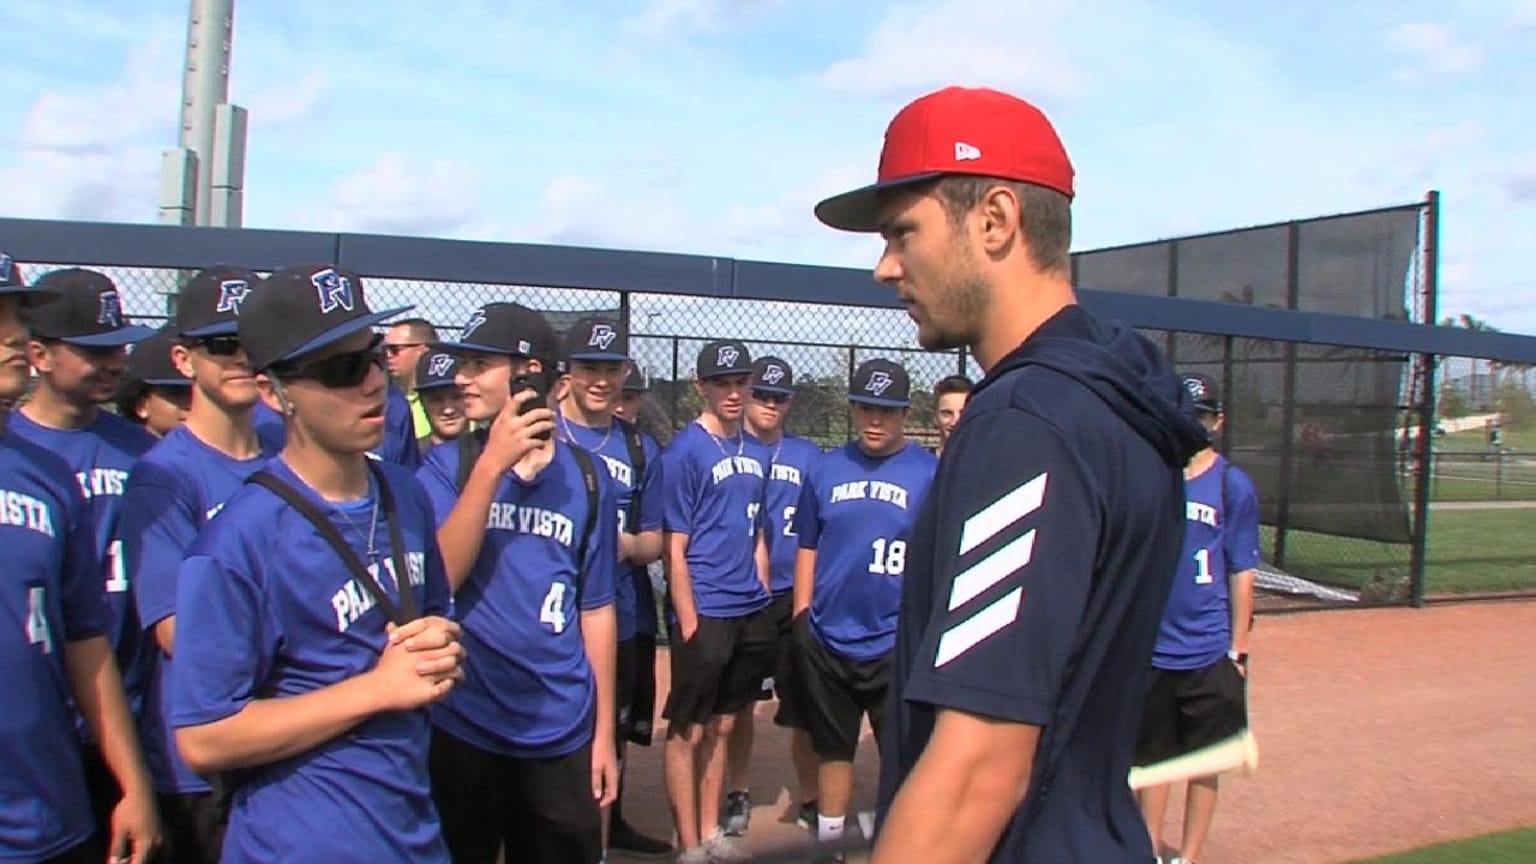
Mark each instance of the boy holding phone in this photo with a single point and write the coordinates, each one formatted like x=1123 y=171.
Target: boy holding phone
x=530 y=531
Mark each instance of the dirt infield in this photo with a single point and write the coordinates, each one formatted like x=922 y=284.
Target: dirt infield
x=1379 y=730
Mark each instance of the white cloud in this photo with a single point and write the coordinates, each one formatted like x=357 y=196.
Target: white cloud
x=289 y=103
x=400 y=195
x=1523 y=14
x=670 y=19
x=1012 y=46
x=1435 y=51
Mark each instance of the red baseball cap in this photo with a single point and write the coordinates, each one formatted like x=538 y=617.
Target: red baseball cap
x=957 y=130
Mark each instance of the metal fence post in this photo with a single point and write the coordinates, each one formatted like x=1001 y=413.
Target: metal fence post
x=1418 y=554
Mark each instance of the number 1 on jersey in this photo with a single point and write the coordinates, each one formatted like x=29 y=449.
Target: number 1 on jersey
x=37 y=619
x=1203 y=575
x=117 y=571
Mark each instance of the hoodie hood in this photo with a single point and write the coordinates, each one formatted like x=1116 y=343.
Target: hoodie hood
x=1124 y=369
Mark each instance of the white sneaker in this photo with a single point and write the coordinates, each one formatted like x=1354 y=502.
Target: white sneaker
x=725 y=849
x=696 y=855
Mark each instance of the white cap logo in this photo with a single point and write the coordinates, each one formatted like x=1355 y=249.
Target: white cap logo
x=439 y=365
x=111 y=312
x=879 y=382
x=727 y=357
x=473 y=324
x=773 y=374
x=602 y=336
x=966 y=152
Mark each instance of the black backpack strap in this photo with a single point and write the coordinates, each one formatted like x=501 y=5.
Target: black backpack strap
x=470 y=444
x=399 y=614
x=589 y=480
x=636 y=447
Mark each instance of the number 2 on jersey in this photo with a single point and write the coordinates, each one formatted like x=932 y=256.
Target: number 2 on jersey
x=890 y=557
x=553 y=610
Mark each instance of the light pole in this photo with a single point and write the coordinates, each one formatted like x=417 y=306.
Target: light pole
x=202 y=180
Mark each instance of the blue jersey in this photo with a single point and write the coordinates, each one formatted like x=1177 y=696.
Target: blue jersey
x=788 y=462
x=264 y=610
x=1221 y=538
x=174 y=490
x=714 y=494
x=102 y=455
x=529 y=691
x=50 y=594
x=862 y=506
x=612 y=451
x=399 y=445
x=1036 y=575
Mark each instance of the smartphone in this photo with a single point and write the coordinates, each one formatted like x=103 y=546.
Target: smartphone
x=540 y=388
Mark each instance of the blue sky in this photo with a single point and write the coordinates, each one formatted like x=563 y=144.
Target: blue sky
x=712 y=126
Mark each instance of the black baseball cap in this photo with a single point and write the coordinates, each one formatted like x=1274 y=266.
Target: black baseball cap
x=301 y=309
x=11 y=283
x=150 y=360
x=505 y=328
x=1204 y=391
x=774 y=375
x=210 y=304
x=880 y=382
x=723 y=357
x=85 y=309
x=436 y=370
x=636 y=381
x=598 y=339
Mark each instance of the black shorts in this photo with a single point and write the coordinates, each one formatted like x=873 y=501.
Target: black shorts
x=642 y=704
x=542 y=810
x=838 y=692
x=624 y=690
x=193 y=825
x=101 y=786
x=92 y=851
x=1189 y=709
x=784 y=684
x=721 y=669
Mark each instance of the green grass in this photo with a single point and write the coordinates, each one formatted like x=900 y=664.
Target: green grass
x=1511 y=847
x=1523 y=440
x=1480 y=551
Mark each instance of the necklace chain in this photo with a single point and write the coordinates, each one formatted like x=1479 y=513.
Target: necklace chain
x=741 y=440
x=373 y=528
x=565 y=428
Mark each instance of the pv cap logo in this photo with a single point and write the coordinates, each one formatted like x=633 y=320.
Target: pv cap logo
x=1196 y=389
x=727 y=356
x=7 y=267
x=524 y=348
x=879 y=382
x=773 y=374
x=474 y=323
x=602 y=336
x=439 y=365
x=334 y=290
x=111 y=312
x=966 y=152
x=232 y=293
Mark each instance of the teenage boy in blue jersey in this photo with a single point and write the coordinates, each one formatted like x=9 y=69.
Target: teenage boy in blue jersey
x=57 y=648
x=1196 y=696
x=790 y=457
x=307 y=652
x=1041 y=558
x=717 y=567
x=78 y=348
x=153 y=394
x=175 y=489
x=439 y=398
x=854 y=521
x=523 y=751
x=597 y=354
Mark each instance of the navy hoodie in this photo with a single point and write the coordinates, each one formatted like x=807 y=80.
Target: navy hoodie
x=1037 y=573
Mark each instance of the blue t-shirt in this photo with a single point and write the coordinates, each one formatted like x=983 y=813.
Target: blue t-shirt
x=1221 y=538
x=528 y=690
x=266 y=609
x=856 y=511
x=1036 y=575
x=612 y=451
x=714 y=494
x=399 y=445
x=175 y=489
x=788 y=462
x=102 y=455
x=52 y=595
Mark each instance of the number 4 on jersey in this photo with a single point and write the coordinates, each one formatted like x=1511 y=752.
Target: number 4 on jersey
x=37 y=619
x=553 y=610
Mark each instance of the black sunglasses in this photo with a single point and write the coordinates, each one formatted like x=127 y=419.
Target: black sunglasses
x=218 y=346
x=342 y=370
x=396 y=348
x=770 y=397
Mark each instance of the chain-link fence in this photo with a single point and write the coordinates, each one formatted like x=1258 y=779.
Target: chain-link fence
x=1329 y=433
